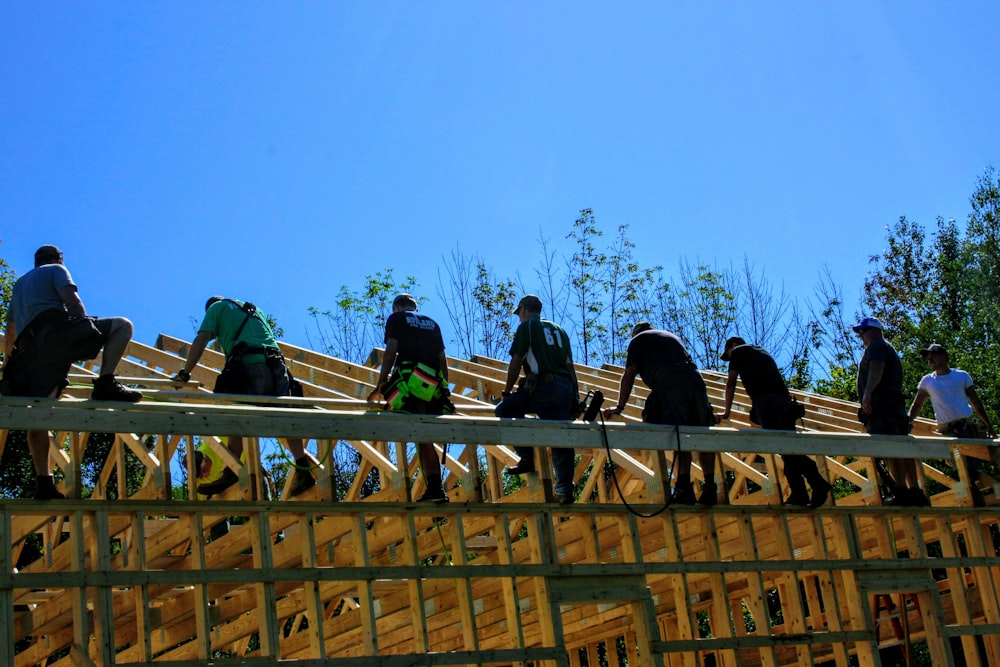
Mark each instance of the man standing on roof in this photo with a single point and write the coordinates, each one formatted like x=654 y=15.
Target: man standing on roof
x=677 y=396
x=258 y=367
x=954 y=399
x=772 y=408
x=550 y=389
x=44 y=304
x=414 y=379
x=883 y=408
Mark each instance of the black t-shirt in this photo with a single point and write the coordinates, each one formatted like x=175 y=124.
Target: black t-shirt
x=418 y=336
x=891 y=383
x=656 y=353
x=757 y=370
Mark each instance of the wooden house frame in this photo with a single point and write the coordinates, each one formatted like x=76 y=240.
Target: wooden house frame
x=498 y=576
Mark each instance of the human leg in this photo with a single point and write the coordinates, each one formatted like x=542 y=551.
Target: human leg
x=432 y=474
x=38 y=447
x=515 y=406
x=554 y=400
x=117 y=333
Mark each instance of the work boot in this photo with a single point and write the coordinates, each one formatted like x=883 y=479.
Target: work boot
x=523 y=466
x=226 y=480
x=820 y=492
x=798 y=497
x=436 y=496
x=302 y=480
x=683 y=495
x=709 y=495
x=107 y=388
x=563 y=498
x=45 y=489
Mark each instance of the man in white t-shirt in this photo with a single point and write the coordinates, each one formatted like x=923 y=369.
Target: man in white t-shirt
x=953 y=397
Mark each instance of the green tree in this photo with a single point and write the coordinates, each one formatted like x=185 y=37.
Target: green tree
x=623 y=283
x=706 y=299
x=356 y=324
x=479 y=305
x=586 y=268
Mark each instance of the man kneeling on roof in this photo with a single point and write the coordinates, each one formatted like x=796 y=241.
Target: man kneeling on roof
x=254 y=365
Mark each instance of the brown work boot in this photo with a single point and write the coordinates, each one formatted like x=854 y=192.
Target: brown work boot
x=226 y=480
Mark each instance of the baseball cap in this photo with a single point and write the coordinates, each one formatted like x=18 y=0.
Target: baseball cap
x=640 y=327
x=868 y=323
x=532 y=302
x=730 y=344
x=934 y=348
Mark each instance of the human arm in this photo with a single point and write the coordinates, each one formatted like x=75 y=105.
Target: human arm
x=730 y=394
x=624 y=391
x=443 y=365
x=513 y=372
x=875 y=370
x=918 y=403
x=388 y=360
x=194 y=354
x=977 y=405
x=71 y=299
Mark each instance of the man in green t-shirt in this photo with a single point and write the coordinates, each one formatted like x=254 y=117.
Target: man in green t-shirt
x=243 y=330
x=550 y=389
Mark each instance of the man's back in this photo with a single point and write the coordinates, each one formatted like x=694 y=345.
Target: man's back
x=225 y=319
x=36 y=292
x=655 y=353
x=757 y=370
x=544 y=346
x=418 y=336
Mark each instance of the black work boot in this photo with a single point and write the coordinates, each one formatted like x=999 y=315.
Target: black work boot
x=820 y=492
x=45 y=489
x=107 y=388
x=434 y=495
x=302 y=479
x=709 y=494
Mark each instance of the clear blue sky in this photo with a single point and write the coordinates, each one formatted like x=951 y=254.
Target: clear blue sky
x=275 y=151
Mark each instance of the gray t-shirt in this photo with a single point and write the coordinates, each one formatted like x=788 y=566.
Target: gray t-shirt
x=37 y=291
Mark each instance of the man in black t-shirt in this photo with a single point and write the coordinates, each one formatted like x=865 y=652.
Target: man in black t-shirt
x=414 y=354
x=677 y=396
x=772 y=408
x=883 y=408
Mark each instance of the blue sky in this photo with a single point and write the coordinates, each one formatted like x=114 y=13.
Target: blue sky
x=276 y=151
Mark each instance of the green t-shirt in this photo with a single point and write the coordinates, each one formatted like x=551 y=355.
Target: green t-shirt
x=544 y=347
x=224 y=318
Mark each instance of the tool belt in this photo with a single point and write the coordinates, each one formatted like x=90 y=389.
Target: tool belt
x=967 y=427
x=413 y=380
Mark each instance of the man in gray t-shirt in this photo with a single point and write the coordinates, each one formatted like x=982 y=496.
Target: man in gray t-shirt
x=43 y=305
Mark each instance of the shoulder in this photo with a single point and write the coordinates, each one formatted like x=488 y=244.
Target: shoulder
x=964 y=376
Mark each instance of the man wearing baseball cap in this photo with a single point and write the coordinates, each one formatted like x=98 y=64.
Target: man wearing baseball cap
x=772 y=408
x=550 y=390
x=954 y=399
x=883 y=408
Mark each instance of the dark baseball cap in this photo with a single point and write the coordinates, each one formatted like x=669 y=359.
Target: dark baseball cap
x=731 y=342
x=531 y=302
x=934 y=348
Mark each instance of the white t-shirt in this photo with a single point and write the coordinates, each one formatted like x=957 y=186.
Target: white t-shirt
x=947 y=394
